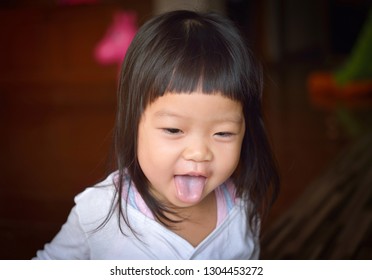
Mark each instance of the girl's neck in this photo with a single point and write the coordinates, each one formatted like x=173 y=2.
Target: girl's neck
x=197 y=222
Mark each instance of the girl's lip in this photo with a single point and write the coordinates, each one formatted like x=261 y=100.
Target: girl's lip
x=194 y=174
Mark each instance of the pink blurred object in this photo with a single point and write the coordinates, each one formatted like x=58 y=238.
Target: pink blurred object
x=113 y=46
x=76 y=2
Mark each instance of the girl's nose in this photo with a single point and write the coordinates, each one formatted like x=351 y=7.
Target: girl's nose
x=198 y=151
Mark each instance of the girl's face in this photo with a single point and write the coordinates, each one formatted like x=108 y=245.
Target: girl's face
x=189 y=144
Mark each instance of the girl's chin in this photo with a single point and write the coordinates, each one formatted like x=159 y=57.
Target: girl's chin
x=181 y=204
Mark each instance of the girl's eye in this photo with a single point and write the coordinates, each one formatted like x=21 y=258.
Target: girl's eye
x=224 y=134
x=172 y=130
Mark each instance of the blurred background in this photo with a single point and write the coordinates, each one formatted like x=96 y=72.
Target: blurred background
x=57 y=107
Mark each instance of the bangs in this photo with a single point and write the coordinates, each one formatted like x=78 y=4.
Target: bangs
x=194 y=56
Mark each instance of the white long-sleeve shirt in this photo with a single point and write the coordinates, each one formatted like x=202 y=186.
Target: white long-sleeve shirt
x=80 y=239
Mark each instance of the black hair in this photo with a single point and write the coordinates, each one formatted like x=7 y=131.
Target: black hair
x=181 y=52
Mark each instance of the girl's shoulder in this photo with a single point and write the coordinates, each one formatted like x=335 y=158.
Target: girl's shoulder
x=95 y=202
x=98 y=192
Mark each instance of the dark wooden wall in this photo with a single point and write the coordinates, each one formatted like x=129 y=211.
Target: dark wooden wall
x=57 y=108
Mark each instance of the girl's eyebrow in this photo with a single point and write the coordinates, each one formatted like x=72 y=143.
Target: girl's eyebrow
x=166 y=113
x=234 y=117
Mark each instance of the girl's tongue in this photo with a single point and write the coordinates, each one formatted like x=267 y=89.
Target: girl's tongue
x=189 y=188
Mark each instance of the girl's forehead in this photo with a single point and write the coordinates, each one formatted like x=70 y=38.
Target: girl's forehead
x=195 y=104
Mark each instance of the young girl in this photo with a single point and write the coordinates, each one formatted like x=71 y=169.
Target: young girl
x=195 y=171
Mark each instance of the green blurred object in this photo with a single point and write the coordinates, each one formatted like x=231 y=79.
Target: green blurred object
x=359 y=64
